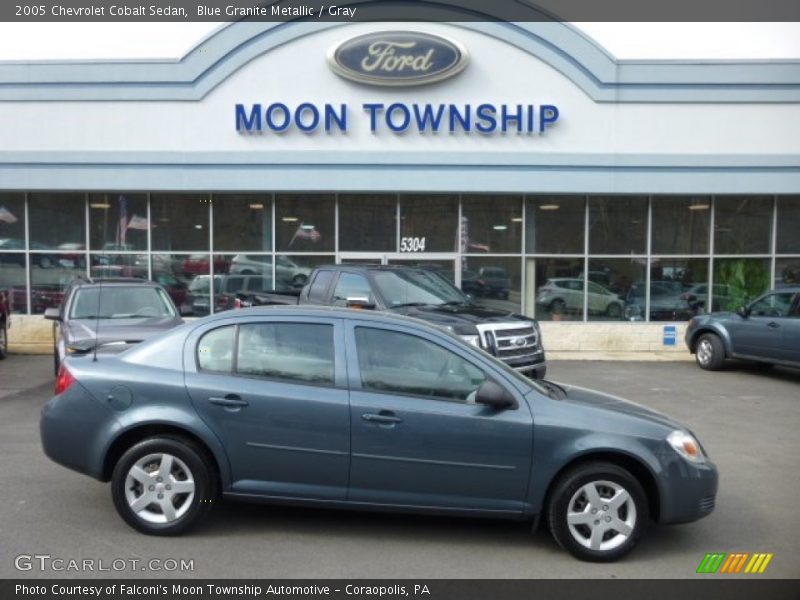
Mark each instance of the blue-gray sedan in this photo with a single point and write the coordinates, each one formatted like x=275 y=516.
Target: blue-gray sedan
x=357 y=409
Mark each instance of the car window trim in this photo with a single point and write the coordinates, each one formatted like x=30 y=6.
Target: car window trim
x=489 y=373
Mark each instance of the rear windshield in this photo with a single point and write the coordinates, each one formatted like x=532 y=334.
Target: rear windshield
x=121 y=302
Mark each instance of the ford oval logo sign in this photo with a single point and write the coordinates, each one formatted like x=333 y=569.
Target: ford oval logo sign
x=398 y=58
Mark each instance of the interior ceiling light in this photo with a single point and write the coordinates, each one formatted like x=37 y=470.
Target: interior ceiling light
x=289 y=219
x=500 y=227
x=549 y=206
x=257 y=207
x=103 y=205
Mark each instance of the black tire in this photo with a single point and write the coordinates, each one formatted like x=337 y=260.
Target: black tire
x=563 y=494
x=199 y=464
x=614 y=311
x=299 y=280
x=709 y=353
x=3 y=340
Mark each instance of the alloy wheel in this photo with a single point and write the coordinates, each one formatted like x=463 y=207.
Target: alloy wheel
x=159 y=488
x=704 y=352
x=601 y=515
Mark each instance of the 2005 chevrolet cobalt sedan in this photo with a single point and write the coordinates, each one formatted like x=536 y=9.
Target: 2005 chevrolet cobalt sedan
x=346 y=408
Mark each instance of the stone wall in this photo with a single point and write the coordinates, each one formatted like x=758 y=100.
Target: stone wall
x=580 y=341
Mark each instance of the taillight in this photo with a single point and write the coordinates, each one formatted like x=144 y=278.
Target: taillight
x=237 y=303
x=64 y=379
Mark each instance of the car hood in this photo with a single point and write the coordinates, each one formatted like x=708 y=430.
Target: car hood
x=129 y=330
x=470 y=314
x=582 y=396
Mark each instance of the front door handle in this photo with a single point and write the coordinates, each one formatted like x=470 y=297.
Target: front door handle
x=231 y=401
x=773 y=324
x=383 y=418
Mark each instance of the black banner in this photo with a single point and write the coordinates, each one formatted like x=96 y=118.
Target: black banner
x=704 y=587
x=398 y=10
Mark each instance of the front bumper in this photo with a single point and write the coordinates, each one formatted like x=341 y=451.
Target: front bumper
x=688 y=492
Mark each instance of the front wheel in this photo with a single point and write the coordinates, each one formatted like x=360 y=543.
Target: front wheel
x=710 y=353
x=597 y=512
x=163 y=486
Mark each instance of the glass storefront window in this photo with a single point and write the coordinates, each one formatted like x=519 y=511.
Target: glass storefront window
x=118 y=222
x=491 y=224
x=617 y=225
x=48 y=284
x=737 y=281
x=681 y=224
x=678 y=290
x=12 y=250
x=118 y=265
x=180 y=222
x=184 y=277
x=493 y=281
x=787 y=272
x=240 y=274
x=57 y=222
x=243 y=222
x=555 y=288
x=613 y=286
x=742 y=224
x=429 y=223
x=291 y=272
x=555 y=224
x=305 y=222
x=788 y=240
x=367 y=222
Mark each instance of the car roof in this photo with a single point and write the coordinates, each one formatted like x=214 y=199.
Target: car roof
x=112 y=281
x=330 y=312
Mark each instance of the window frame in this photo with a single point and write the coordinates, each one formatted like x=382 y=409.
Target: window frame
x=356 y=378
x=340 y=379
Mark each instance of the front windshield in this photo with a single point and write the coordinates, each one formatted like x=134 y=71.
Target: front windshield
x=415 y=286
x=120 y=302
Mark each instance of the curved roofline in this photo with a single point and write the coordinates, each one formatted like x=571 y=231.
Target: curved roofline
x=562 y=46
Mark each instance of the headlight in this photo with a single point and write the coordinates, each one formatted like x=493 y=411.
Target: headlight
x=685 y=445
x=473 y=340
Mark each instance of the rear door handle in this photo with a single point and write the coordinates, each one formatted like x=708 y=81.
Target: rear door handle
x=231 y=401
x=773 y=324
x=382 y=418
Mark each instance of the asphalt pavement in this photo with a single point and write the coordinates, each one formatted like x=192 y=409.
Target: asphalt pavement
x=747 y=418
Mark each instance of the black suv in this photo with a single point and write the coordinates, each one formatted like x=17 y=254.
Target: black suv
x=97 y=312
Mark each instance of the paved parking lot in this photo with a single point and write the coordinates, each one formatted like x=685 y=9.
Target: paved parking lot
x=748 y=420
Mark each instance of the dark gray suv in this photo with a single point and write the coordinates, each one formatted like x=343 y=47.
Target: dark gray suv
x=767 y=331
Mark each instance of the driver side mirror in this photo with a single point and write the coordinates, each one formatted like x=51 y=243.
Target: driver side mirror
x=743 y=311
x=495 y=395
x=185 y=310
x=52 y=314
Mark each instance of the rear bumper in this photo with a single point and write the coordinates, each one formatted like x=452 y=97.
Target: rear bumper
x=689 y=493
x=73 y=429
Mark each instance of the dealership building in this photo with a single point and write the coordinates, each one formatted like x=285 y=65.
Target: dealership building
x=612 y=200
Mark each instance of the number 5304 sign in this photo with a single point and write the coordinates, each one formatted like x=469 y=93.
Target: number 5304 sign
x=412 y=244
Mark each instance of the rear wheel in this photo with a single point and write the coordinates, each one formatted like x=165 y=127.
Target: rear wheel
x=597 y=511
x=710 y=353
x=163 y=485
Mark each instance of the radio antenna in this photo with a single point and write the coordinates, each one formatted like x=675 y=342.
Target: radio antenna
x=97 y=319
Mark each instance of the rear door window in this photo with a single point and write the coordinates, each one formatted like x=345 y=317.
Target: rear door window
x=297 y=352
x=320 y=286
x=215 y=350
